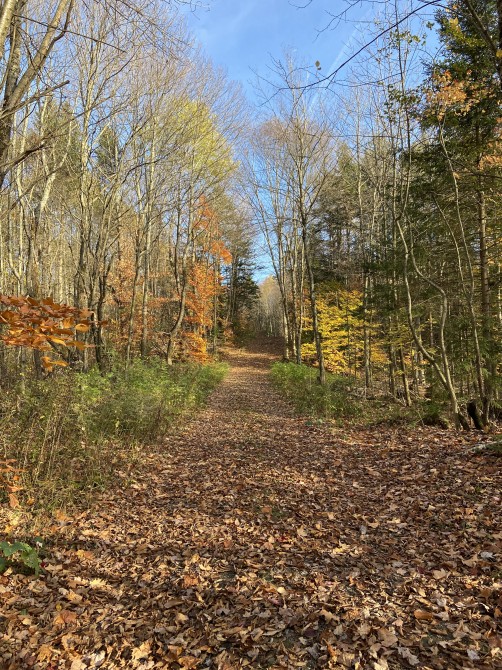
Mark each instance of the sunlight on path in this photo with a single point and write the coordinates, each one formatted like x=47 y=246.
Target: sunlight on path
x=251 y=539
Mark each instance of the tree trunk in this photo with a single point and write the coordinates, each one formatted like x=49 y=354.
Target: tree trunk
x=313 y=306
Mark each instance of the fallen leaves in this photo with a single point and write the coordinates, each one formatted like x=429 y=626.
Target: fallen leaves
x=13 y=501
x=387 y=637
x=422 y=615
x=141 y=652
x=439 y=574
x=405 y=653
x=65 y=617
x=252 y=540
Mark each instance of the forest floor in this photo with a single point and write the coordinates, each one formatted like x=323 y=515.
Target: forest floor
x=252 y=538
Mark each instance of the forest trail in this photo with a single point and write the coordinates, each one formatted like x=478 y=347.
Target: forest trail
x=253 y=538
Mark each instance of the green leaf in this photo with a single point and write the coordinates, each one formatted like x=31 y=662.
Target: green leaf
x=9 y=549
x=30 y=560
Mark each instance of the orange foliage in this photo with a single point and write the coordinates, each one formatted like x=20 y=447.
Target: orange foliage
x=455 y=96
x=121 y=281
x=205 y=281
x=42 y=324
x=204 y=285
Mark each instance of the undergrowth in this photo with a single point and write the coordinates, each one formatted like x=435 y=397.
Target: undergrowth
x=300 y=385
x=342 y=399
x=72 y=432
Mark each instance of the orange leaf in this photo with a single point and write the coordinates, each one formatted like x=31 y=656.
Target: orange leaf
x=47 y=363
x=65 y=617
x=56 y=340
x=13 y=501
x=78 y=345
x=45 y=653
x=422 y=615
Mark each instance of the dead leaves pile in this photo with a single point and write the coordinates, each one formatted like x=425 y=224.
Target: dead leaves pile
x=252 y=539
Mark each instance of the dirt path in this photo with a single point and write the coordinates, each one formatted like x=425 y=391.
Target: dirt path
x=253 y=539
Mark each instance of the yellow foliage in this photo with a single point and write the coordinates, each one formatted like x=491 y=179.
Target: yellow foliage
x=341 y=324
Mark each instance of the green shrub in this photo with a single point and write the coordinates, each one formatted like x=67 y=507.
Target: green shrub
x=432 y=413
x=72 y=431
x=335 y=400
x=19 y=555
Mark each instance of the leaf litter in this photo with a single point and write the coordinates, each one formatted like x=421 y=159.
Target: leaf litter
x=252 y=539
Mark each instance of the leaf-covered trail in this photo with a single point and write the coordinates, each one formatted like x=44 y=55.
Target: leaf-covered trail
x=253 y=539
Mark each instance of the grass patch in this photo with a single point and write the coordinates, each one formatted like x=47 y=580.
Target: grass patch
x=343 y=399
x=334 y=400
x=71 y=433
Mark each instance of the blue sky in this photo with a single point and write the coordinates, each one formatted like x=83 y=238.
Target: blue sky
x=243 y=35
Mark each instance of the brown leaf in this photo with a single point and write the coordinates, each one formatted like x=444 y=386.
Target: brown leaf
x=74 y=597
x=387 y=637
x=188 y=661
x=45 y=653
x=406 y=654
x=423 y=615
x=13 y=501
x=439 y=574
x=141 y=652
x=181 y=618
x=332 y=651
x=172 y=602
x=65 y=617
x=190 y=580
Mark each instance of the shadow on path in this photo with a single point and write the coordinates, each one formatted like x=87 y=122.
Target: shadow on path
x=251 y=539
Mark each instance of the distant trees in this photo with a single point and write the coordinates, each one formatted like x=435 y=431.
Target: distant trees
x=130 y=196
x=290 y=159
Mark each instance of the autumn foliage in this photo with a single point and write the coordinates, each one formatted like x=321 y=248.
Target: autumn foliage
x=205 y=281
x=42 y=325
x=342 y=326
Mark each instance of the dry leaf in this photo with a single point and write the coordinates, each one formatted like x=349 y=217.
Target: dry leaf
x=387 y=637
x=439 y=574
x=141 y=652
x=181 y=618
x=73 y=597
x=190 y=580
x=172 y=602
x=65 y=617
x=188 y=661
x=13 y=501
x=423 y=615
x=406 y=654
x=45 y=653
